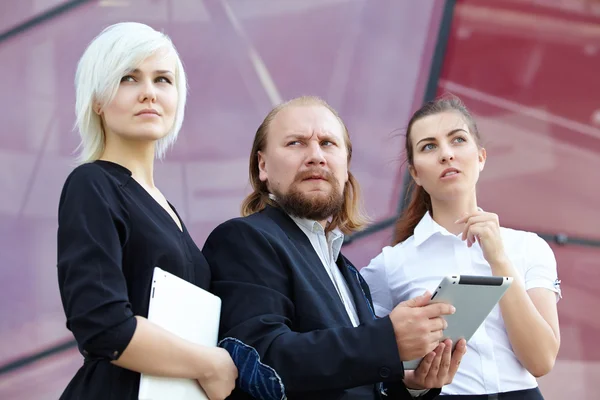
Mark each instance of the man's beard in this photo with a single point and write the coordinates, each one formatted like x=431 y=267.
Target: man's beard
x=317 y=208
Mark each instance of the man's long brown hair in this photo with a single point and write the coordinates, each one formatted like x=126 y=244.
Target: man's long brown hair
x=350 y=219
x=420 y=201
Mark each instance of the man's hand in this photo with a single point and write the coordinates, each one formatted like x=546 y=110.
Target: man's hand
x=418 y=326
x=438 y=367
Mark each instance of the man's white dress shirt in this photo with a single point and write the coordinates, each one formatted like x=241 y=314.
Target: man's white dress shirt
x=328 y=249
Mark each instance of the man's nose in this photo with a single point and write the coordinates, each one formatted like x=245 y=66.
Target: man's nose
x=315 y=154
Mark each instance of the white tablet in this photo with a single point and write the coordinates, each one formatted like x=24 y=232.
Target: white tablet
x=189 y=312
x=474 y=297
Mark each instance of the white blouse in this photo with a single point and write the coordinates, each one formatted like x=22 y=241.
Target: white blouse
x=408 y=269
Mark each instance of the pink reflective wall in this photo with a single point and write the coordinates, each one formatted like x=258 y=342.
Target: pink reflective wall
x=16 y=12
x=528 y=69
x=370 y=60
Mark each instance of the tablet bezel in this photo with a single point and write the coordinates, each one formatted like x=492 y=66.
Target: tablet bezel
x=459 y=290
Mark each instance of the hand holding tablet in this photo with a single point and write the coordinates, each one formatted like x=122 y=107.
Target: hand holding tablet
x=417 y=326
x=473 y=297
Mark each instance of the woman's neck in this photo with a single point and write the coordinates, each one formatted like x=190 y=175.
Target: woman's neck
x=137 y=157
x=446 y=213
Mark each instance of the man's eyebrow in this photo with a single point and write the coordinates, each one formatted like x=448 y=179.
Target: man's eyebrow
x=295 y=135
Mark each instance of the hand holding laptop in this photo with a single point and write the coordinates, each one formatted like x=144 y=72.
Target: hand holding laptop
x=219 y=381
x=192 y=314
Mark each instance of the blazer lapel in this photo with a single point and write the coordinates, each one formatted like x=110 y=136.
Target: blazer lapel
x=309 y=255
x=363 y=306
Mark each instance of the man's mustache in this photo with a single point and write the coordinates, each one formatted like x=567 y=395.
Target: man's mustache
x=324 y=174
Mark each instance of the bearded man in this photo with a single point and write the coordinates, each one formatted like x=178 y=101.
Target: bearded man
x=289 y=293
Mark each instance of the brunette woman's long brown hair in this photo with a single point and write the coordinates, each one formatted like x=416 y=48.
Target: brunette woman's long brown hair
x=420 y=202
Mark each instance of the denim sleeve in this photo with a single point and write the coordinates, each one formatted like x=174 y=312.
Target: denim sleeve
x=254 y=377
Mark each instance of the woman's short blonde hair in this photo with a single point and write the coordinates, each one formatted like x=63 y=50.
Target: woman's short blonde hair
x=116 y=50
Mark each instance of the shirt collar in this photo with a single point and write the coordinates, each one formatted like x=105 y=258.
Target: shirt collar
x=427 y=227
x=335 y=238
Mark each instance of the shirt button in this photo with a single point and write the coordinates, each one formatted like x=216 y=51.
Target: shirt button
x=385 y=372
x=115 y=354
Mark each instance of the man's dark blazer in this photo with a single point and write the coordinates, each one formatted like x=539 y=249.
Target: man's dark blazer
x=278 y=298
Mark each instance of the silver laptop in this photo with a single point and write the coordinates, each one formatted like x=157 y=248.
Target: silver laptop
x=189 y=312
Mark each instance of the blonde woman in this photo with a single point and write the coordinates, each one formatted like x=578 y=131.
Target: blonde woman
x=115 y=225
